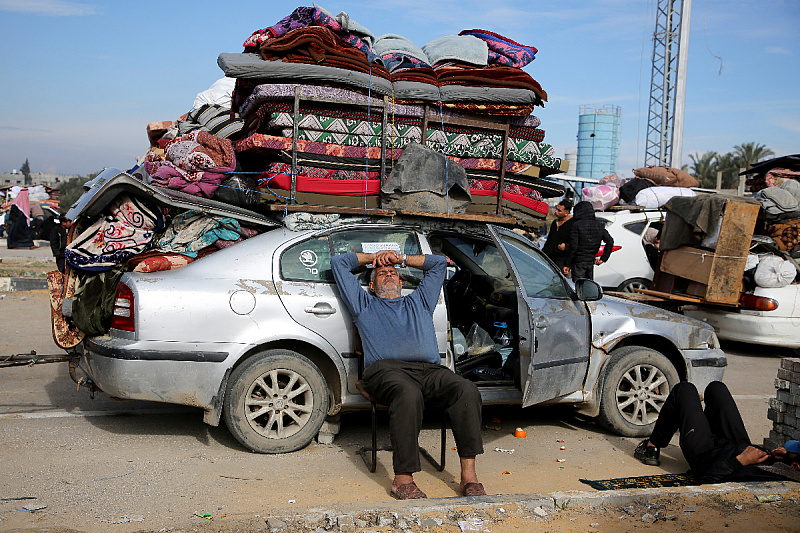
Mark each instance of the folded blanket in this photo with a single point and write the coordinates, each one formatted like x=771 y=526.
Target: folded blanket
x=194 y=163
x=391 y=43
x=492 y=77
x=502 y=50
x=320 y=46
x=464 y=48
x=191 y=231
x=498 y=88
x=349 y=31
x=265 y=99
x=539 y=154
x=126 y=229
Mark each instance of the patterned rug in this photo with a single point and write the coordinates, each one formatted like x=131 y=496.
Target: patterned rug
x=643 y=482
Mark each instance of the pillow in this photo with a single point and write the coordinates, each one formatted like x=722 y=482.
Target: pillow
x=601 y=196
x=673 y=177
x=655 y=197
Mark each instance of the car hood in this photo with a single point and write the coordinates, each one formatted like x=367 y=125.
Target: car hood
x=616 y=318
x=101 y=190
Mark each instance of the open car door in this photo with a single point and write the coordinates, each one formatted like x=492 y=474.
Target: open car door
x=554 y=326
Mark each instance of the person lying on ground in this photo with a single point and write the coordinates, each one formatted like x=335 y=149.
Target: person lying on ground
x=714 y=441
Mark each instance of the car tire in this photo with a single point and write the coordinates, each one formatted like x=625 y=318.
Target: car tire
x=636 y=384
x=275 y=402
x=629 y=285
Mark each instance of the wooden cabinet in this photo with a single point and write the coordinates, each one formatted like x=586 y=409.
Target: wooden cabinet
x=715 y=276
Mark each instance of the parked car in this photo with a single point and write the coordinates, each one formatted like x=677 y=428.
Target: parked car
x=256 y=334
x=766 y=316
x=628 y=267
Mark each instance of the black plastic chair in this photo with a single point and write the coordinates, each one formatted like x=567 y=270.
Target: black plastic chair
x=372 y=463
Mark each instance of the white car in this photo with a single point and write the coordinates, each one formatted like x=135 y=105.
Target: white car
x=627 y=268
x=768 y=316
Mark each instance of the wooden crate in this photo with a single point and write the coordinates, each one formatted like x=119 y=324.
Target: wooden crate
x=717 y=275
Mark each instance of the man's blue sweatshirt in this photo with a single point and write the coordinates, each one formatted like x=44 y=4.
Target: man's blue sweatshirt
x=393 y=328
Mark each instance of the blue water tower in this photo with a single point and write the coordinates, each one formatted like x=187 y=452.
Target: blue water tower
x=598 y=140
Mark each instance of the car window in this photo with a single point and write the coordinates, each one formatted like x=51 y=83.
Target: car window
x=636 y=227
x=310 y=260
x=483 y=255
x=539 y=279
x=373 y=240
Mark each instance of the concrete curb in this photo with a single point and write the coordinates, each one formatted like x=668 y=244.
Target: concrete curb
x=22 y=284
x=280 y=520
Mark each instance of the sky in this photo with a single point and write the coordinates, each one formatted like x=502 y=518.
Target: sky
x=82 y=79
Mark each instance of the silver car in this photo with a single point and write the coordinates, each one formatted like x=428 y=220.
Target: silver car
x=256 y=333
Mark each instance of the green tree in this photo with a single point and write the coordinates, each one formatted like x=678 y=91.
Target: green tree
x=71 y=190
x=26 y=172
x=728 y=164
x=704 y=169
x=748 y=154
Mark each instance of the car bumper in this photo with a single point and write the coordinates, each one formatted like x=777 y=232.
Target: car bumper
x=160 y=372
x=705 y=366
x=750 y=327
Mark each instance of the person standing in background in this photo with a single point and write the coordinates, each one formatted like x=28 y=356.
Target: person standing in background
x=557 y=243
x=584 y=242
x=20 y=233
x=58 y=241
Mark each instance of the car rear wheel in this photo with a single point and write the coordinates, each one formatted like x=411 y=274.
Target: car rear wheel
x=275 y=402
x=630 y=285
x=636 y=385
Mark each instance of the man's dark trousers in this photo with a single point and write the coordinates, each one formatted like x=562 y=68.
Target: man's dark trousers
x=582 y=270
x=405 y=387
x=701 y=432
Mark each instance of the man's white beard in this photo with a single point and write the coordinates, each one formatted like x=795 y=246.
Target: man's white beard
x=388 y=291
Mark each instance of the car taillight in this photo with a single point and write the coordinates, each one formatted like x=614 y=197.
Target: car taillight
x=603 y=249
x=123 y=309
x=751 y=302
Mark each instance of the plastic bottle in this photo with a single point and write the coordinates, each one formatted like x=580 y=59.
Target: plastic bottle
x=502 y=340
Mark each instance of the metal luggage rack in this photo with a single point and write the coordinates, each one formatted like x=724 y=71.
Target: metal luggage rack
x=503 y=128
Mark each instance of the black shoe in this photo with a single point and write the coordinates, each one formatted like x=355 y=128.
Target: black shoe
x=649 y=455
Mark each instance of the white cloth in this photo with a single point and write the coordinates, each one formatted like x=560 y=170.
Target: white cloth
x=774 y=272
x=218 y=94
x=655 y=197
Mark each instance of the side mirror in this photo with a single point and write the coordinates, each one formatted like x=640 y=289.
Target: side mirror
x=588 y=290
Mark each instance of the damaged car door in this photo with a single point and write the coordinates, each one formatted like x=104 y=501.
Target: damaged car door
x=554 y=325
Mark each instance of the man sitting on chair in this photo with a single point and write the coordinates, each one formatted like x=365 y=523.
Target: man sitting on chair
x=402 y=365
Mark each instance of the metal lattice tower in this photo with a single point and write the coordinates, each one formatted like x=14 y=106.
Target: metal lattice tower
x=668 y=83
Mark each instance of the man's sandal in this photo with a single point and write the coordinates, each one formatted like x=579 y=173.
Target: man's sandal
x=408 y=491
x=473 y=489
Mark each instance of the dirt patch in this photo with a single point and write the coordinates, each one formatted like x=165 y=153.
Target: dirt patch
x=26 y=267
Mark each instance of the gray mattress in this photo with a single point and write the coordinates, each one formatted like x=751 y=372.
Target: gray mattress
x=251 y=66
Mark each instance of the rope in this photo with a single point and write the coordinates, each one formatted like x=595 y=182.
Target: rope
x=446 y=160
x=366 y=157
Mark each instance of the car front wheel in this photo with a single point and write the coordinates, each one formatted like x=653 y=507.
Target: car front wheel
x=630 y=285
x=275 y=402
x=636 y=385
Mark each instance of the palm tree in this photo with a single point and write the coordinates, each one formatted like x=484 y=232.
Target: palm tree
x=704 y=169
x=748 y=154
x=729 y=165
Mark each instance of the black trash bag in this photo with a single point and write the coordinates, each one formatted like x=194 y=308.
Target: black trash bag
x=237 y=190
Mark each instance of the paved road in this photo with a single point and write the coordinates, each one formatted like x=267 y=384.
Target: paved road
x=99 y=461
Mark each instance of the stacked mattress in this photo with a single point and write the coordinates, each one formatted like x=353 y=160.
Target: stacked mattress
x=324 y=109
